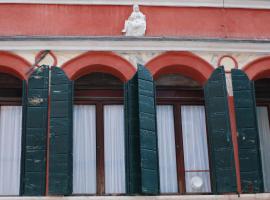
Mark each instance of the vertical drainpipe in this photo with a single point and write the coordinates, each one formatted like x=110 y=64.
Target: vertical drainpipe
x=233 y=131
x=39 y=57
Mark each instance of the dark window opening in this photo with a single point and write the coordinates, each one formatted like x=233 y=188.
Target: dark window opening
x=10 y=90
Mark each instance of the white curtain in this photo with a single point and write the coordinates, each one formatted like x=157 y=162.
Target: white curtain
x=166 y=149
x=10 y=149
x=84 y=149
x=114 y=143
x=264 y=133
x=195 y=147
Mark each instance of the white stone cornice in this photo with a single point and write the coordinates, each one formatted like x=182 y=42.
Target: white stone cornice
x=124 y=2
x=257 y=4
x=133 y=44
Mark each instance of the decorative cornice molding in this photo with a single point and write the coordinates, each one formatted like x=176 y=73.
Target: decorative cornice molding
x=133 y=44
x=252 y=4
x=256 y=4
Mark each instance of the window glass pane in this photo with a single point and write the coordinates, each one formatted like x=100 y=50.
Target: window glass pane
x=195 y=149
x=10 y=149
x=84 y=149
x=166 y=149
x=264 y=133
x=114 y=146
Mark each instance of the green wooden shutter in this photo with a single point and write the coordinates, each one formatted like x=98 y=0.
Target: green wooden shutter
x=132 y=137
x=34 y=145
x=248 y=137
x=60 y=159
x=219 y=133
x=148 y=132
x=142 y=151
x=24 y=111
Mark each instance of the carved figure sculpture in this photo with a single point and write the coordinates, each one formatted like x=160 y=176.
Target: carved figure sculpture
x=136 y=23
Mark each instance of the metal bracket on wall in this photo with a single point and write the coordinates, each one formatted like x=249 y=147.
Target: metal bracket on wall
x=232 y=58
x=39 y=57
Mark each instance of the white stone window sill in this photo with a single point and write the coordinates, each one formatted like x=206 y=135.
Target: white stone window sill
x=263 y=196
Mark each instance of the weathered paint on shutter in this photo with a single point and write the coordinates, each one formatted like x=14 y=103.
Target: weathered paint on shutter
x=34 y=147
x=24 y=111
x=148 y=132
x=219 y=134
x=132 y=138
x=248 y=137
x=141 y=135
x=60 y=155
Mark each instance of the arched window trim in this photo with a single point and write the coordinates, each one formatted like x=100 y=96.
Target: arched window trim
x=14 y=65
x=106 y=62
x=259 y=68
x=184 y=63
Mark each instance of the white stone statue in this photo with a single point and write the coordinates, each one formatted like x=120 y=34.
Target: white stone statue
x=136 y=23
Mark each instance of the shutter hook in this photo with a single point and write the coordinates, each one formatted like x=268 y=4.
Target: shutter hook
x=39 y=57
x=232 y=58
x=42 y=54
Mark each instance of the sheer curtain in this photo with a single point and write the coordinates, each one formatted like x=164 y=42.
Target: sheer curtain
x=114 y=143
x=84 y=149
x=166 y=149
x=264 y=133
x=195 y=147
x=10 y=149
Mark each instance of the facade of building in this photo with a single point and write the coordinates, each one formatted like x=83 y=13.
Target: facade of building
x=126 y=99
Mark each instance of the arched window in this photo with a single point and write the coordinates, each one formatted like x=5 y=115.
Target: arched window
x=10 y=134
x=182 y=136
x=262 y=91
x=98 y=122
x=98 y=135
x=13 y=73
x=181 y=122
